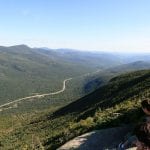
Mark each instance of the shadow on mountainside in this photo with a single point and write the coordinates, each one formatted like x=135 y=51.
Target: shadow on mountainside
x=107 y=96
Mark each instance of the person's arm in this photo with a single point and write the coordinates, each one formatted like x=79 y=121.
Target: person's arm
x=128 y=143
x=148 y=119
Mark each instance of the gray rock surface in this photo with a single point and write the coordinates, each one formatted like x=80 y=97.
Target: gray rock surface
x=98 y=140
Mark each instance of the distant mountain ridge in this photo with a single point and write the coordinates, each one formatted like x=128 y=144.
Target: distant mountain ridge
x=27 y=71
x=36 y=70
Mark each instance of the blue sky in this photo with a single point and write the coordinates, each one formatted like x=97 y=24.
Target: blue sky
x=106 y=25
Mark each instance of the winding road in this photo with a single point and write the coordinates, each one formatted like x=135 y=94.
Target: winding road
x=47 y=94
x=38 y=95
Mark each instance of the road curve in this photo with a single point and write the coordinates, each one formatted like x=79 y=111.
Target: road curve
x=47 y=94
x=38 y=95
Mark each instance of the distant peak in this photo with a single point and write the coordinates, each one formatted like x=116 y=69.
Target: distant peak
x=21 y=45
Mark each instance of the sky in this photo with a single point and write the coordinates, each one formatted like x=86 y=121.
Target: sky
x=102 y=25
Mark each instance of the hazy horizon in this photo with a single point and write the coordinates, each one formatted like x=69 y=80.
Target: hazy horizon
x=96 y=25
x=82 y=50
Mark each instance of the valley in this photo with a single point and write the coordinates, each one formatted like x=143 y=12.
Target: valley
x=38 y=95
x=43 y=89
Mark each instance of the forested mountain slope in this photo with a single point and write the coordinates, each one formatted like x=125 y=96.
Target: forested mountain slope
x=114 y=104
x=28 y=71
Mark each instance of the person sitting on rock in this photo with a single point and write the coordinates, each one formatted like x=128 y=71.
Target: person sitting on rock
x=142 y=132
x=132 y=139
x=146 y=108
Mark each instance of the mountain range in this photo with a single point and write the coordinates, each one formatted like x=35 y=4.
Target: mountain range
x=26 y=71
x=93 y=90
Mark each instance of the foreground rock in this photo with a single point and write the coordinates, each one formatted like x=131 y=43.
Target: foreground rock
x=98 y=140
